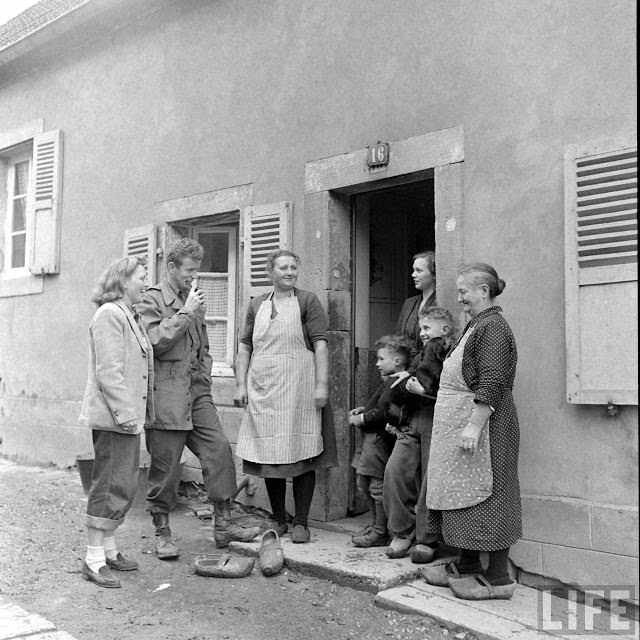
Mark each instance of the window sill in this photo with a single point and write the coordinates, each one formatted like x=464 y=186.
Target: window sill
x=20 y=286
x=222 y=371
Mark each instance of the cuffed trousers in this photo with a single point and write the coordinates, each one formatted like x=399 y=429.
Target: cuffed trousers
x=114 y=480
x=206 y=441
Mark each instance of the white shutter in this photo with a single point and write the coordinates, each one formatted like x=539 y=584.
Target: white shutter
x=266 y=227
x=601 y=274
x=45 y=202
x=141 y=243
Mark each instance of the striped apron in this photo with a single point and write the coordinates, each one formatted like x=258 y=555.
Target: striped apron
x=281 y=424
x=456 y=479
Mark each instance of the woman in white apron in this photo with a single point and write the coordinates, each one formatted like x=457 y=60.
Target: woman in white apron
x=282 y=379
x=473 y=494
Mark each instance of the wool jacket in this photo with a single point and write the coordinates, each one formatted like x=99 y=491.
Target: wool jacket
x=181 y=355
x=120 y=379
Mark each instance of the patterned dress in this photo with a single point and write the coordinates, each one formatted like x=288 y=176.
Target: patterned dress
x=488 y=368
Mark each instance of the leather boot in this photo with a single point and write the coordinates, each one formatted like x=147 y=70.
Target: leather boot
x=377 y=536
x=225 y=530
x=165 y=549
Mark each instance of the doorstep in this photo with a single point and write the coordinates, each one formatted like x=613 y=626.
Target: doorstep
x=330 y=555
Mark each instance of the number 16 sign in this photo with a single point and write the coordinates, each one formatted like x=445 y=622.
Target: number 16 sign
x=378 y=154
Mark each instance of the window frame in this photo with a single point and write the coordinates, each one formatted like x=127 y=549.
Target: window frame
x=24 y=153
x=218 y=368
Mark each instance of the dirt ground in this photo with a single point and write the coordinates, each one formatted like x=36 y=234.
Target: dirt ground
x=42 y=544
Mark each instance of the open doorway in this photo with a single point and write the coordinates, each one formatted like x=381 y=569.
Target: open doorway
x=389 y=227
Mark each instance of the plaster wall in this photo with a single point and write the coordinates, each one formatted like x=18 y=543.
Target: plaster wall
x=203 y=96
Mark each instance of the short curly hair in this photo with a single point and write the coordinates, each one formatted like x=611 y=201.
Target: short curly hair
x=396 y=343
x=184 y=248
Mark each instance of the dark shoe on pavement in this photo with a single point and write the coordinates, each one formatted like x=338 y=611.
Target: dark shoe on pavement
x=279 y=527
x=225 y=567
x=423 y=553
x=231 y=532
x=103 y=577
x=120 y=563
x=371 y=538
x=300 y=534
x=270 y=557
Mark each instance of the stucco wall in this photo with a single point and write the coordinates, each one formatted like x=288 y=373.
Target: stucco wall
x=203 y=96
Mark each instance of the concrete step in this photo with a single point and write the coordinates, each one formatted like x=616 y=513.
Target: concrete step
x=398 y=585
x=330 y=555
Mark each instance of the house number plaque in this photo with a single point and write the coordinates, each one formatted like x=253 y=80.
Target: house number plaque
x=378 y=154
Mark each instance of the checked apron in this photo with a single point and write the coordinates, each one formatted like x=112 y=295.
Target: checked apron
x=456 y=479
x=281 y=424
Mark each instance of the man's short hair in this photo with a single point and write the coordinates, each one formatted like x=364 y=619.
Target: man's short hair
x=184 y=248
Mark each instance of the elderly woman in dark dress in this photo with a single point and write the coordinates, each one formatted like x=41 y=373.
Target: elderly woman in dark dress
x=473 y=494
x=282 y=376
x=405 y=475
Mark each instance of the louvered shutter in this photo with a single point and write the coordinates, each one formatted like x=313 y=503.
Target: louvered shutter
x=266 y=227
x=601 y=259
x=141 y=242
x=45 y=202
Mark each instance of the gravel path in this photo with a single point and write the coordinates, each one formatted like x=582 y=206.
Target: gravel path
x=42 y=543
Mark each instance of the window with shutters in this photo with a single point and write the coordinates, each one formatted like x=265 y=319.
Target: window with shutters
x=217 y=279
x=601 y=260
x=30 y=189
x=233 y=270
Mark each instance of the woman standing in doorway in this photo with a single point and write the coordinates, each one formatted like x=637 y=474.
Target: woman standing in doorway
x=118 y=402
x=404 y=492
x=282 y=377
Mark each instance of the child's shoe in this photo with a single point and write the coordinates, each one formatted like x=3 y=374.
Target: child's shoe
x=372 y=538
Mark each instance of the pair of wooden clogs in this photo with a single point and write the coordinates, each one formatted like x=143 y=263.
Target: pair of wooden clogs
x=270 y=561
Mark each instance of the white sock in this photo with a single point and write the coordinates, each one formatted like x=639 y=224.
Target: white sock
x=95 y=558
x=110 y=549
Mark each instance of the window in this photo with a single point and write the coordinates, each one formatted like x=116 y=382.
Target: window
x=30 y=190
x=236 y=244
x=601 y=271
x=217 y=279
x=18 y=223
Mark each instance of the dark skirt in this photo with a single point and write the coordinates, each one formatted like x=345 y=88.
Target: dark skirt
x=327 y=459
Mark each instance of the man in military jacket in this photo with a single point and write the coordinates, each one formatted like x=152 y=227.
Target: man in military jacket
x=185 y=414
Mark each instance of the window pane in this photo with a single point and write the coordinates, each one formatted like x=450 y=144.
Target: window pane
x=216 y=251
x=21 y=181
x=217 y=332
x=18 y=244
x=215 y=291
x=19 y=220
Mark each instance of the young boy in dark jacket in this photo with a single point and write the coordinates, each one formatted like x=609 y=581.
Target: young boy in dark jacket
x=436 y=331
x=392 y=359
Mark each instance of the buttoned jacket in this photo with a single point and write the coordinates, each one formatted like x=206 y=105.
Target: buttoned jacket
x=120 y=378
x=172 y=331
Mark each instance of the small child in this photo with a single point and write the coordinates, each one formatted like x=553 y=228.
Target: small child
x=392 y=359
x=421 y=386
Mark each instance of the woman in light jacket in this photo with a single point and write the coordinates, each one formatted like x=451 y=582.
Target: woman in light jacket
x=118 y=402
